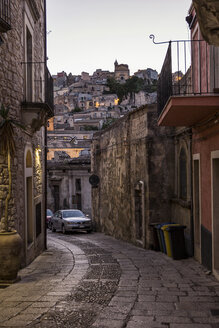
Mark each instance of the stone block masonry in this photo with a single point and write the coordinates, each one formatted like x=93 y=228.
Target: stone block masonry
x=133 y=160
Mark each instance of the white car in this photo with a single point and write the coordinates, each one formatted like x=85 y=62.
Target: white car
x=70 y=220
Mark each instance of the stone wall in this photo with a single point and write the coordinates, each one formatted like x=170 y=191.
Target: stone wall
x=12 y=89
x=134 y=160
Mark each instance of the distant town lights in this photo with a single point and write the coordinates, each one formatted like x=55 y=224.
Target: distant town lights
x=116 y=101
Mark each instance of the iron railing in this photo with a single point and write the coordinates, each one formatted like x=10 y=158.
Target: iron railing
x=49 y=96
x=38 y=84
x=5 y=15
x=190 y=68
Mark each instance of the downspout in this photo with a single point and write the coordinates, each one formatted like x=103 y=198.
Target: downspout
x=191 y=184
x=141 y=183
x=45 y=132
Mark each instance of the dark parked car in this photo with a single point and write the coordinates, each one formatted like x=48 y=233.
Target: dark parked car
x=70 y=220
x=49 y=214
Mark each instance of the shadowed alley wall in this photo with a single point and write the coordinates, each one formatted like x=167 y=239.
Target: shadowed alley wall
x=134 y=160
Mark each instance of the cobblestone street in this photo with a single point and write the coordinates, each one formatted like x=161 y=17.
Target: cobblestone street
x=84 y=281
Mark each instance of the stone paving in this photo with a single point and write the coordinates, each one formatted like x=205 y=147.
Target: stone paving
x=84 y=281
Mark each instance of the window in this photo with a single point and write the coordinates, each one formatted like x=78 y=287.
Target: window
x=56 y=196
x=183 y=174
x=5 y=15
x=29 y=72
x=78 y=184
x=29 y=159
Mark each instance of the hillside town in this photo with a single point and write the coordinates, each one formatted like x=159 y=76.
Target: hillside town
x=109 y=181
x=86 y=102
x=83 y=105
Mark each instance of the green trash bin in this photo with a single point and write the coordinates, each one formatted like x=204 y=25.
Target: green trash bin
x=177 y=241
x=167 y=237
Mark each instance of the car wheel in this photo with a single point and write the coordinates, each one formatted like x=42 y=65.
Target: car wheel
x=89 y=231
x=53 y=229
x=63 y=229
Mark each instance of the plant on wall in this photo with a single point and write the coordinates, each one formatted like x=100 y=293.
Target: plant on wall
x=7 y=149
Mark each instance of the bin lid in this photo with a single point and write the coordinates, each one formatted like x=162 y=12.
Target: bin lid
x=158 y=226
x=165 y=227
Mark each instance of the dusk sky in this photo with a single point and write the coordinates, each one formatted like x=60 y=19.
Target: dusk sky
x=84 y=35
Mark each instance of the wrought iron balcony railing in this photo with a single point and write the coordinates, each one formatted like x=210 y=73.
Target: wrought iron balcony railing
x=5 y=15
x=190 y=68
x=49 y=96
x=38 y=86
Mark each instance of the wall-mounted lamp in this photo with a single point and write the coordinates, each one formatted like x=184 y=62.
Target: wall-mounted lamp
x=38 y=151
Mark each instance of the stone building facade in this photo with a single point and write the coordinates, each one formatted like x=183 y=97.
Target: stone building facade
x=68 y=183
x=26 y=89
x=134 y=160
x=68 y=170
x=121 y=72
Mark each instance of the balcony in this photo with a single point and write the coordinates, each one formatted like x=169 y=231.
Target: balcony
x=188 y=95
x=5 y=15
x=37 y=105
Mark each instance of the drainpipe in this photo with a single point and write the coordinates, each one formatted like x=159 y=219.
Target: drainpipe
x=45 y=133
x=191 y=184
x=141 y=183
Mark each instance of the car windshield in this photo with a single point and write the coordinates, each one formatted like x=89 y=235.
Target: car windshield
x=72 y=214
x=49 y=213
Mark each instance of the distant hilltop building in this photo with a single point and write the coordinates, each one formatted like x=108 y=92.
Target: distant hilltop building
x=85 y=76
x=147 y=74
x=100 y=76
x=60 y=79
x=121 y=72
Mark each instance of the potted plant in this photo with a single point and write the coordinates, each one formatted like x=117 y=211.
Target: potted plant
x=10 y=240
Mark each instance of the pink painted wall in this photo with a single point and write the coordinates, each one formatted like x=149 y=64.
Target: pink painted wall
x=204 y=143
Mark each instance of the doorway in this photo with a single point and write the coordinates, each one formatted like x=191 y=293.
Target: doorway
x=138 y=215
x=29 y=197
x=56 y=197
x=29 y=186
x=196 y=209
x=215 y=213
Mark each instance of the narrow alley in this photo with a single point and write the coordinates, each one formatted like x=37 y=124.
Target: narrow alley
x=97 y=281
